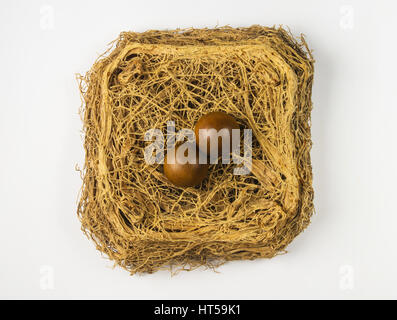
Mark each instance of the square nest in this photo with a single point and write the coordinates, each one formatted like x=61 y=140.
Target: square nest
x=263 y=77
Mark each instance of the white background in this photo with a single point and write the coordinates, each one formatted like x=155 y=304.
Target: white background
x=349 y=250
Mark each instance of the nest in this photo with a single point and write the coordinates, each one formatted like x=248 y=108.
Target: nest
x=263 y=77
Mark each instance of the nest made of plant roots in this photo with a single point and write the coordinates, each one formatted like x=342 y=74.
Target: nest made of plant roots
x=263 y=77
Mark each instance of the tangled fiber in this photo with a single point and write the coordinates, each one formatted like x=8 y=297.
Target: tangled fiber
x=263 y=77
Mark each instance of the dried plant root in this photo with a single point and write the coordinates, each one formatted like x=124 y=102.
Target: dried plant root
x=263 y=77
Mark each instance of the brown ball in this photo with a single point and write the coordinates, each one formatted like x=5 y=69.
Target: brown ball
x=218 y=121
x=185 y=174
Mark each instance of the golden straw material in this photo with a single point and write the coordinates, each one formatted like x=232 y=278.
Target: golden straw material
x=263 y=78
